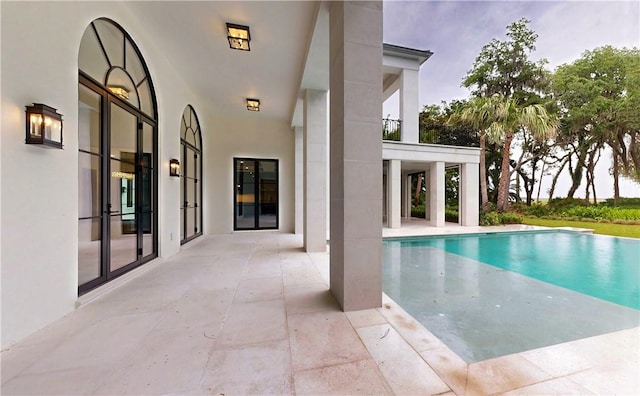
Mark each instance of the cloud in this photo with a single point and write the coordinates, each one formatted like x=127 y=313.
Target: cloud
x=456 y=31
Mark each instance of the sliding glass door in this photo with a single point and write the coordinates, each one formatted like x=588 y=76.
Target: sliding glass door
x=256 y=194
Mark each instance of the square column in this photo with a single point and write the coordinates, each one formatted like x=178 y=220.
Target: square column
x=315 y=170
x=406 y=196
x=409 y=106
x=393 y=194
x=355 y=53
x=427 y=199
x=469 y=188
x=299 y=180
x=436 y=194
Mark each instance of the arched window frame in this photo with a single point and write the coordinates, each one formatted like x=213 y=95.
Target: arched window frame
x=141 y=104
x=190 y=144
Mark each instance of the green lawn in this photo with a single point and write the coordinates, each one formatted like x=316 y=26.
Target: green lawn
x=631 y=231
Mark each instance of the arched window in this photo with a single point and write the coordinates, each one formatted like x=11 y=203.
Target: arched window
x=117 y=158
x=191 y=176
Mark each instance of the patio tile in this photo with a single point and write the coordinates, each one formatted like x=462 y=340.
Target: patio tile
x=617 y=379
x=449 y=366
x=257 y=269
x=502 y=374
x=85 y=381
x=168 y=361
x=366 y=317
x=204 y=310
x=405 y=371
x=322 y=339
x=299 y=271
x=411 y=330
x=118 y=337
x=361 y=377
x=556 y=386
x=254 y=322
x=259 y=289
x=558 y=360
x=309 y=298
x=258 y=369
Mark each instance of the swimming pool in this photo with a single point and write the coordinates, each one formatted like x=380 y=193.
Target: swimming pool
x=489 y=295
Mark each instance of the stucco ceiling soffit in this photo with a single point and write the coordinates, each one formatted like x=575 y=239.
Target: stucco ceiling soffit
x=316 y=67
x=193 y=36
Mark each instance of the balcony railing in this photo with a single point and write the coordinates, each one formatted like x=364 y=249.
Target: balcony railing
x=435 y=134
x=391 y=129
x=449 y=138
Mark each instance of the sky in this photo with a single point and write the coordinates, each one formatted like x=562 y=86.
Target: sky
x=455 y=32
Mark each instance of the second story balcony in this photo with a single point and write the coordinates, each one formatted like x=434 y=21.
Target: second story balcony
x=392 y=131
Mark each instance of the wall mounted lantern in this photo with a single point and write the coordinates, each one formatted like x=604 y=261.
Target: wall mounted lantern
x=253 y=104
x=174 y=167
x=238 y=36
x=44 y=126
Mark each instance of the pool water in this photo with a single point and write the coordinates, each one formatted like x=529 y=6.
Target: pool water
x=599 y=266
x=490 y=295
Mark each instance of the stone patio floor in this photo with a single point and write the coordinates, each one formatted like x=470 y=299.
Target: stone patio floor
x=251 y=313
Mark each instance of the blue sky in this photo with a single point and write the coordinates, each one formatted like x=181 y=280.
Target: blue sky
x=455 y=32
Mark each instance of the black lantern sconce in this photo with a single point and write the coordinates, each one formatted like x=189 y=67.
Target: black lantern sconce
x=253 y=104
x=44 y=126
x=174 y=167
x=238 y=37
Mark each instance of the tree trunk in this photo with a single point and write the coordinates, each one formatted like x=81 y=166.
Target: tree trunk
x=416 y=198
x=540 y=181
x=505 y=175
x=555 y=178
x=576 y=175
x=616 y=176
x=483 y=172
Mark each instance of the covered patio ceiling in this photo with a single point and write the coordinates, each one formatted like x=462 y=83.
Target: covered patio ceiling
x=192 y=35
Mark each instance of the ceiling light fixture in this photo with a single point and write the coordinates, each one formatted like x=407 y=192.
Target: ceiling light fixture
x=238 y=36
x=119 y=91
x=253 y=104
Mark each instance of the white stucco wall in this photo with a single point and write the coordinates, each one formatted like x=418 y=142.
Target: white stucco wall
x=250 y=137
x=39 y=202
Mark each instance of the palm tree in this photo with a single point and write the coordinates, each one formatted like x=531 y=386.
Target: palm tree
x=480 y=113
x=511 y=118
x=498 y=119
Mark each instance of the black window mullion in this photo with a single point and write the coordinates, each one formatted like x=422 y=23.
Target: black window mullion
x=256 y=192
x=104 y=51
x=106 y=187
x=138 y=170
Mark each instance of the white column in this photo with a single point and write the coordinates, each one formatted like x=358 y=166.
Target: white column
x=469 y=194
x=409 y=105
x=315 y=170
x=299 y=180
x=436 y=194
x=355 y=53
x=427 y=198
x=393 y=194
x=405 y=182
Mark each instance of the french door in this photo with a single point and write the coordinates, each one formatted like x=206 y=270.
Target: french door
x=117 y=193
x=256 y=194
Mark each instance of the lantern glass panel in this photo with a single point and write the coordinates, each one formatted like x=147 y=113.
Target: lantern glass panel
x=35 y=125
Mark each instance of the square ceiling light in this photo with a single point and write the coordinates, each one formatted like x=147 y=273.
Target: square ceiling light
x=253 y=104
x=238 y=36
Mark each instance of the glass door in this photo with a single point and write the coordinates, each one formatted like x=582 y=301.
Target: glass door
x=245 y=177
x=123 y=216
x=256 y=194
x=90 y=203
